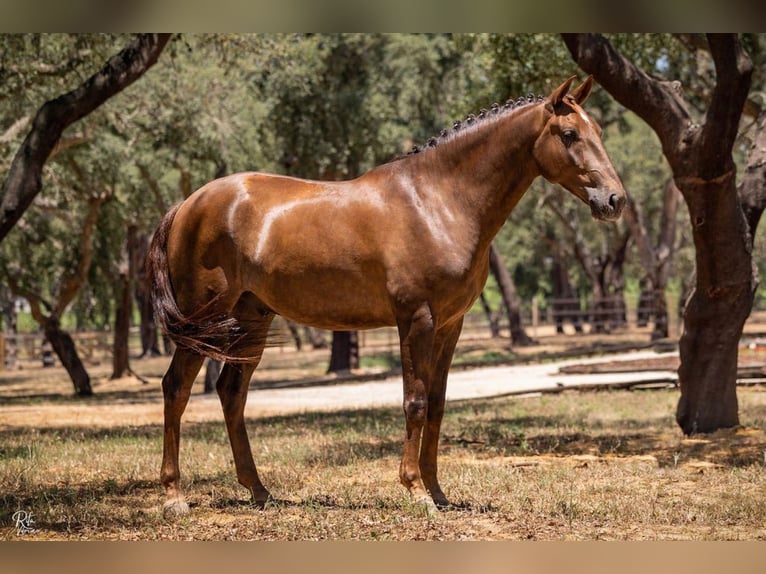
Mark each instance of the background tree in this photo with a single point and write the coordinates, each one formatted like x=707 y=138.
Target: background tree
x=69 y=265
x=24 y=179
x=510 y=298
x=24 y=182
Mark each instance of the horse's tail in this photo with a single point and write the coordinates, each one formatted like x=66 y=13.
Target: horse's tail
x=214 y=335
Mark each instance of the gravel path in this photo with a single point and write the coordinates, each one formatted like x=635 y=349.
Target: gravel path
x=469 y=384
x=463 y=384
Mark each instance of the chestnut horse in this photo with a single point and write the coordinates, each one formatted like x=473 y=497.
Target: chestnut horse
x=405 y=244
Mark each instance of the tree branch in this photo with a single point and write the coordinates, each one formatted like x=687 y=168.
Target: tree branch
x=16 y=127
x=35 y=300
x=72 y=282
x=733 y=70
x=159 y=202
x=24 y=179
x=752 y=189
x=658 y=103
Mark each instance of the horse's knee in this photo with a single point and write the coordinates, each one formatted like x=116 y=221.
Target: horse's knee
x=416 y=404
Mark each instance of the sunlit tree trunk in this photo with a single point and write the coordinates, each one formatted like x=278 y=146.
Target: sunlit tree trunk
x=493 y=317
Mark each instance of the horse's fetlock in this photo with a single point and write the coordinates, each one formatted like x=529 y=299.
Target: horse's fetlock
x=408 y=477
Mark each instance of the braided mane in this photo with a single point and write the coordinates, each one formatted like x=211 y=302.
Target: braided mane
x=473 y=120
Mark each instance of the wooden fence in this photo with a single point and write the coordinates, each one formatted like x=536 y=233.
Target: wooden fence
x=569 y=316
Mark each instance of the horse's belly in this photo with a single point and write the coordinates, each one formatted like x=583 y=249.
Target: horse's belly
x=329 y=303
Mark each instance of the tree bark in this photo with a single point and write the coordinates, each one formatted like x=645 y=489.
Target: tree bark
x=510 y=298
x=493 y=318
x=212 y=372
x=24 y=179
x=752 y=189
x=344 y=355
x=566 y=306
x=315 y=337
x=295 y=333
x=704 y=171
x=120 y=348
x=138 y=248
x=65 y=350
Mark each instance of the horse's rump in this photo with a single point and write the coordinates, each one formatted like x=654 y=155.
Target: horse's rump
x=207 y=331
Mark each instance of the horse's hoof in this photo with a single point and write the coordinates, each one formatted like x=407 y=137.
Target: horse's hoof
x=441 y=501
x=174 y=508
x=261 y=498
x=428 y=506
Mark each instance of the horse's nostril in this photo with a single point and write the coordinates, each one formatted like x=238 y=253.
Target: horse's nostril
x=613 y=200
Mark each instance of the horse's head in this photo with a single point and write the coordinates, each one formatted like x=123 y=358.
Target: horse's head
x=569 y=152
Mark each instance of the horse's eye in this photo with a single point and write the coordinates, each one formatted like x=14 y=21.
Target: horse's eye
x=569 y=137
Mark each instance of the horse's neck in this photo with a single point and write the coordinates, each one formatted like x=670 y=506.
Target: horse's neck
x=483 y=173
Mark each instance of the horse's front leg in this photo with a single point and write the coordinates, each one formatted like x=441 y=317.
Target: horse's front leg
x=446 y=340
x=416 y=334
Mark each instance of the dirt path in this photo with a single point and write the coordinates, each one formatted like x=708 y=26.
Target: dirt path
x=463 y=385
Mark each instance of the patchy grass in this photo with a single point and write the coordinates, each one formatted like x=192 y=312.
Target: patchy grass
x=595 y=465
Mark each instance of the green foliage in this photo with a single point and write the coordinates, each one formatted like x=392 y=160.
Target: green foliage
x=341 y=104
x=313 y=105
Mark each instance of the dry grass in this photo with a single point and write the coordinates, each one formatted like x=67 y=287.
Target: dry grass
x=576 y=465
x=598 y=465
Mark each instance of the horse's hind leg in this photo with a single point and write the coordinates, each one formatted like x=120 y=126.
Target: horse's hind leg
x=232 y=387
x=176 y=388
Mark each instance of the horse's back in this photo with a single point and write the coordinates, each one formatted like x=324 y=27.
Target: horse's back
x=311 y=251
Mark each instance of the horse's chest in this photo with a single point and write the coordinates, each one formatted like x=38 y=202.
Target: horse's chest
x=450 y=285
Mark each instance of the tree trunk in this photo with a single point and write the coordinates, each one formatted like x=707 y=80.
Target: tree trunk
x=493 y=318
x=716 y=312
x=344 y=355
x=704 y=171
x=138 y=247
x=65 y=349
x=295 y=333
x=120 y=354
x=661 y=328
x=752 y=190
x=148 y=328
x=315 y=337
x=510 y=298
x=24 y=179
x=212 y=371
x=10 y=328
x=566 y=306
x=655 y=259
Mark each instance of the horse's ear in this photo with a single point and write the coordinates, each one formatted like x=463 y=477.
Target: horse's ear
x=581 y=92
x=558 y=94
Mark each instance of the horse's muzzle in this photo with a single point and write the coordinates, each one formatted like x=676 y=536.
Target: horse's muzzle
x=606 y=204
